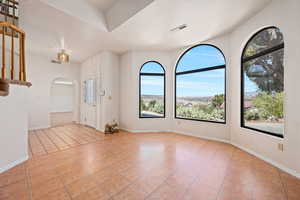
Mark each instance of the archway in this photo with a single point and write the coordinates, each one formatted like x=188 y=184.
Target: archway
x=63 y=102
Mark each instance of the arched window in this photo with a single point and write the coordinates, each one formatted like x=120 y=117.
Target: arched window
x=200 y=85
x=262 y=78
x=152 y=90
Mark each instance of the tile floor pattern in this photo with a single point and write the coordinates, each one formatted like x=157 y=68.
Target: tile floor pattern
x=77 y=163
x=42 y=142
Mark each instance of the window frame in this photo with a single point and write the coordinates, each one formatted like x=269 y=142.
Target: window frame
x=201 y=70
x=140 y=87
x=246 y=59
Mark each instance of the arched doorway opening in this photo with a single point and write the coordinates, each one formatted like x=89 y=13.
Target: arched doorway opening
x=63 y=102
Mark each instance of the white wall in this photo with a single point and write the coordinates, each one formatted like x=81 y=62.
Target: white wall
x=205 y=129
x=41 y=73
x=62 y=98
x=129 y=90
x=104 y=67
x=285 y=15
x=110 y=84
x=14 y=126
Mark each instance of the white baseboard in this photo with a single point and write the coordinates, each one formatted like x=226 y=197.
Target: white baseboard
x=174 y=131
x=13 y=164
x=38 y=127
x=201 y=136
x=268 y=160
x=276 y=164
x=101 y=130
x=144 y=131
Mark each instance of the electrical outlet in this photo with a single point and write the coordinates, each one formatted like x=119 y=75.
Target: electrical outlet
x=280 y=147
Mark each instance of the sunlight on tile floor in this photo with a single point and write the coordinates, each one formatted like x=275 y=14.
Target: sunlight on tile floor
x=79 y=163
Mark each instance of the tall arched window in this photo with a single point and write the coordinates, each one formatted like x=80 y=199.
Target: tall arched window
x=152 y=90
x=200 y=85
x=262 y=78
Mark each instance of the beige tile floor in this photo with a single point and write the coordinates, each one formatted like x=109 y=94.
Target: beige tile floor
x=79 y=163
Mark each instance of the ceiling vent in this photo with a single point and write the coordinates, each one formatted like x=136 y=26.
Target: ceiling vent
x=179 y=28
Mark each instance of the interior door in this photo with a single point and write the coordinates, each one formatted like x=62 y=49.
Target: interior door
x=90 y=109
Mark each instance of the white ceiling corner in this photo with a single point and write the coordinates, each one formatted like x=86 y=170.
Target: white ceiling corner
x=85 y=24
x=122 y=11
x=81 y=10
x=102 y=5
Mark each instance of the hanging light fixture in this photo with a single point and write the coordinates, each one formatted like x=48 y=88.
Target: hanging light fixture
x=63 y=57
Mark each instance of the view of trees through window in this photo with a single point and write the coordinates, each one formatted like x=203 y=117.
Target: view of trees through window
x=263 y=82
x=200 y=84
x=152 y=90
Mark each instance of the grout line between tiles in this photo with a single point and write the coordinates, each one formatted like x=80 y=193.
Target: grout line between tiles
x=283 y=185
x=41 y=144
x=46 y=134
x=60 y=138
x=28 y=182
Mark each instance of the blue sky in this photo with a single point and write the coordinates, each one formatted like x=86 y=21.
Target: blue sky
x=207 y=83
x=250 y=86
x=152 y=85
